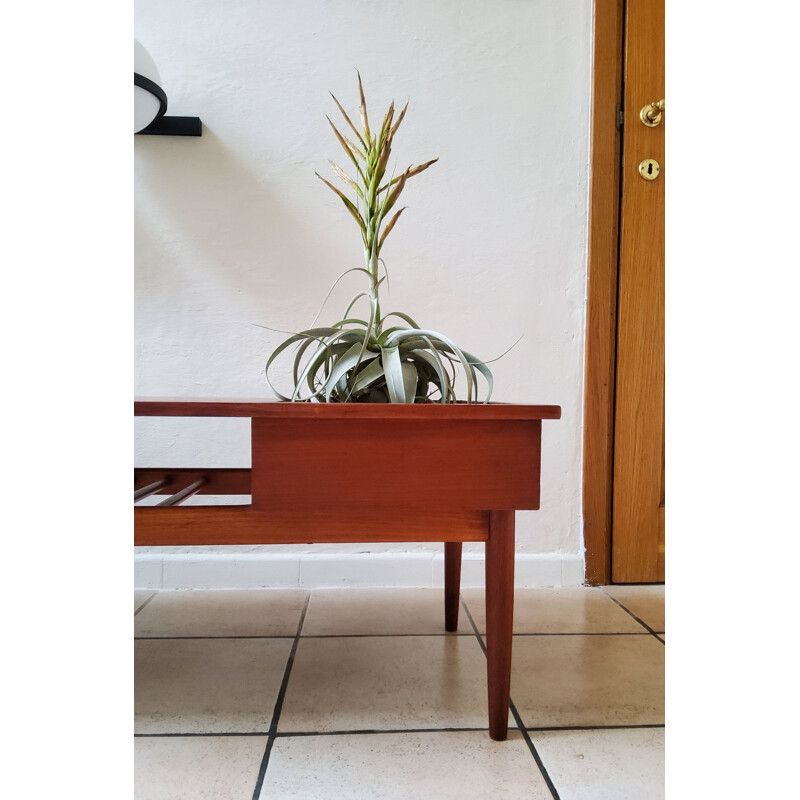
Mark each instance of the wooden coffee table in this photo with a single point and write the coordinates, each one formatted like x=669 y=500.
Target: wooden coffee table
x=355 y=472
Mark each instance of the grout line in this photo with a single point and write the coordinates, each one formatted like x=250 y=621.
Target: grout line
x=378 y=731
x=379 y=635
x=546 y=728
x=627 y=610
x=397 y=635
x=373 y=731
x=144 y=604
x=208 y=638
x=534 y=753
x=321 y=636
x=586 y=633
x=273 y=728
x=198 y=735
x=638 y=583
x=516 y=715
x=580 y=633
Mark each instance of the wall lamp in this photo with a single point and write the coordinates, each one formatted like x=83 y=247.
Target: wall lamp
x=150 y=101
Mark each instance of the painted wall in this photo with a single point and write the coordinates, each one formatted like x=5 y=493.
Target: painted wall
x=234 y=231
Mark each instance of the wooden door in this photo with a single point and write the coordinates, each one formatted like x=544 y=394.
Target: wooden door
x=637 y=546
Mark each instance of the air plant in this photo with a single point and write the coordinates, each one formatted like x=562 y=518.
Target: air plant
x=375 y=357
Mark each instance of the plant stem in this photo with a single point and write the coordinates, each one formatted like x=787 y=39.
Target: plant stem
x=372 y=220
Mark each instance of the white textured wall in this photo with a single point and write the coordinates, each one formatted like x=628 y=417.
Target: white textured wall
x=233 y=230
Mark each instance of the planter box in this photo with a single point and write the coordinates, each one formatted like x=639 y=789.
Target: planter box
x=369 y=473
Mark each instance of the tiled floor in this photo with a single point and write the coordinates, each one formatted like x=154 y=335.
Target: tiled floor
x=359 y=693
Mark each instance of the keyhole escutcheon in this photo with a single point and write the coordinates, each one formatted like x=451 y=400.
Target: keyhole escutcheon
x=649 y=169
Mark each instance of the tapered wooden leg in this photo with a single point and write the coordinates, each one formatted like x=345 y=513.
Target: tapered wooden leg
x=499 y=618
x=452 y=584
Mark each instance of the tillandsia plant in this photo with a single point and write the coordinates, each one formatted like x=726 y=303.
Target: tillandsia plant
x=374 y=359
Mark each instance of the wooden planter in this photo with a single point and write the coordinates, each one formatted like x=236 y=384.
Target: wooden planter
x=368 y=473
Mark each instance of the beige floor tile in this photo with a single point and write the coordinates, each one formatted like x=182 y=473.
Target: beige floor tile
x=405 y=766
x=604 y=765
x=140 y=597
x=197 y=768
x=207 y=685
x=588 y=680
x=647 y=602
x=386 y=683
x=378 y=611
x=572 y=610
x=234 y=612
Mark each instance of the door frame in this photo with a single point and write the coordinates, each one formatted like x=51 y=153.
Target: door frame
x=608 y=21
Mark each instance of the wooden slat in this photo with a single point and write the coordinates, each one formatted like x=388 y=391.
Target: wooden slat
x=219 y=480
x=183 y=494
x=245 y=525
x=149 y=488
x=388 y=465
x=601 y=303
x=267 y=409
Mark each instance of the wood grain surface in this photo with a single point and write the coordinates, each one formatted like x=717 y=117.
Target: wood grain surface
x=601 y=301
x=391 y=464
x=452 y=584
x=274 y=409
x=639 y=425
x=198 y=525
x=499 y=618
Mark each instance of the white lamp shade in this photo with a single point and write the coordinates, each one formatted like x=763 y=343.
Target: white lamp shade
x=145 y=105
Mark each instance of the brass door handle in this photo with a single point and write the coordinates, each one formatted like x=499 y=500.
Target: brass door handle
x=650 y=115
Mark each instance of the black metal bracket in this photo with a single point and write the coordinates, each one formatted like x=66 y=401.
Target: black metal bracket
x=173 y=126
x=163 y=125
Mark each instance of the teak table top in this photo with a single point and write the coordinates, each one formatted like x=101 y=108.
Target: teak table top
x=280 y=409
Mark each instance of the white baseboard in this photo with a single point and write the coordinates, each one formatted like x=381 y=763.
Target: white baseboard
x=324 y=570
